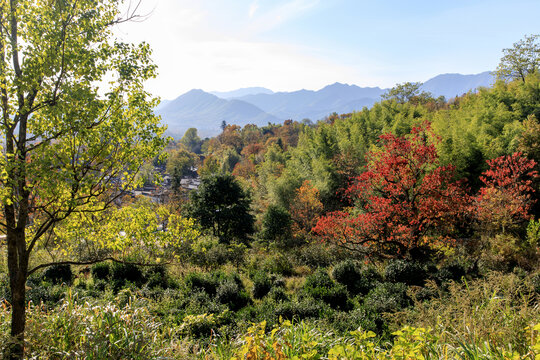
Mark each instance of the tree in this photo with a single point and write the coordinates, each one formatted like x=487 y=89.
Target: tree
x=520 y=60
x=505 y=201
x=276 y=224
x=305 y=209
x=192 y=141
x=179 y=164
x=222 y=207
x=72 y=144
x=402 y=198
x=406 y=92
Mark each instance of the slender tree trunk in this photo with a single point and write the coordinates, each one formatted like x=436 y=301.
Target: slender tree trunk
x=18 y=269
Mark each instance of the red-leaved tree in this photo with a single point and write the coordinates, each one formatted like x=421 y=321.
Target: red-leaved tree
x=505 y=201
x=402 y=200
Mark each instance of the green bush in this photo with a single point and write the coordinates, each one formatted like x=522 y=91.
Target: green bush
x=58 y=274
x=278 y=264
x=233 y=295
x=387 y=297
x=101 y=271
x=405 y=271
x=303 y=309
x=320 y=286
x=355 y=279
x=453 y=271
x=317 y=255
x=262 y=284
x=278 y=294
x=121 y=274
x=535 y=281
x=157 y=277
x=201 y=281
x=360 y=318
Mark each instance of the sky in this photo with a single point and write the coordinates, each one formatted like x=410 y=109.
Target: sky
x=287 y=45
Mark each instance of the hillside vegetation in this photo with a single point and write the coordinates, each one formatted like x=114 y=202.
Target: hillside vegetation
x=408 y=230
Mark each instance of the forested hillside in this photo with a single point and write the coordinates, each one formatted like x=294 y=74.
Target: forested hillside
x=408 y=230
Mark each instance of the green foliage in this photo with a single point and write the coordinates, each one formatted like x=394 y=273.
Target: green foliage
x=101 y=271
x=278 y=264
x=156 y=276
x=453 y=271
x=520 y=60
x=299 y=309
x=262 y=284
x=356 y=279
x=232 y=294
x=405 y=271
x=97 y=330
x=276 y=225
x=192 y=141
x=387 y=297
x=320 y=286
x=58 y=274
x=406 y=92
x=499 y=309
x=222 y=207
x=123 y=273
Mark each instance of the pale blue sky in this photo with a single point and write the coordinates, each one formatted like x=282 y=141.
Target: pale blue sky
x=289 y=45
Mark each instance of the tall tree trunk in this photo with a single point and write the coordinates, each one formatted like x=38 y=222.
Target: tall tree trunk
x=18 y=269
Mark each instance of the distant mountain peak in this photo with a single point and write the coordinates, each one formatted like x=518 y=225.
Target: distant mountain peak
x=259 y=105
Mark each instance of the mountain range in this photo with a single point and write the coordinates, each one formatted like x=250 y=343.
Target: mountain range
x=206 y=111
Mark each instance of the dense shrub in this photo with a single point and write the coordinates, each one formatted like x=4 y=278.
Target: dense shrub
x=210 y=282
x=319 y=286
x=122 y=273
x=356 y=279
x=452 y=271
x=317 y=255
x=201 y=281
x=157 y=277
x=535 y=281
x=278 y=294
x=58 y=274
x=39 y=292
x=262 y=284
x=362 y=318
x=404 y=271
x=101 y=271
x=233 y=295
x=278 y=264
x=303 y=309
x=319 y=278
x=5 y=293
x=387 y=297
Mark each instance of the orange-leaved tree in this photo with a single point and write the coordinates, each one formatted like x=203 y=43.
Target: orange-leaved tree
x=506 y=199
x=402 y=200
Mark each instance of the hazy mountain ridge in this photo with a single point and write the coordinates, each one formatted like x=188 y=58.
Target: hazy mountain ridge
x=257 y=105
x=452 y=85
x=205 y=111
x=241 y=92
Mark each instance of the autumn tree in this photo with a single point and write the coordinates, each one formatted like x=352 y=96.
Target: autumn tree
x=520 y=60
x=305 y=209
x=71 y=144
x=403 y=198
x=504 y=202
